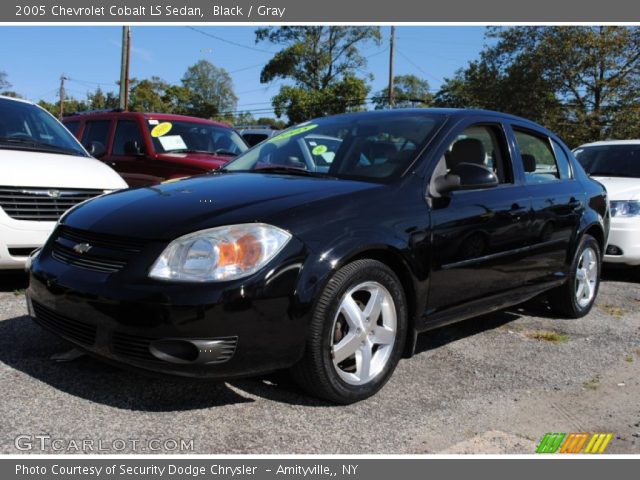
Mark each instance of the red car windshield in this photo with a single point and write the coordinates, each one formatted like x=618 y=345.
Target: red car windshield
x=191 y=137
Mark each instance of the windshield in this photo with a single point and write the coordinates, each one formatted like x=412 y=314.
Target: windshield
x=610 y=160
x=24 y=126
x=366 y=147
x=184 y=136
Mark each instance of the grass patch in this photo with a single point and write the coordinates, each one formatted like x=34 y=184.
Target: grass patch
x=547 y=336
x=19 y=291
x=612 y=310
x=628 y=358
x=592 y=384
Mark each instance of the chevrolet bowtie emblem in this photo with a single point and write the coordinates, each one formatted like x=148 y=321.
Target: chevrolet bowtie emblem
x=82 y=248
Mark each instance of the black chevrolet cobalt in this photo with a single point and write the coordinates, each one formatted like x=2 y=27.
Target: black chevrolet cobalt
x=327 y=249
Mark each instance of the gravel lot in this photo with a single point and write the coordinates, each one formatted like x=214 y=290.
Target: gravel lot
x=487 y=385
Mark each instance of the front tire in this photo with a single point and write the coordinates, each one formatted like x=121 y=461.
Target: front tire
x=357 y=334
x=575 y=298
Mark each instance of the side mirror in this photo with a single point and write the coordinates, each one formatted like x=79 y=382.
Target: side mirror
x=466 y=176
x=132 y=148
x=97 y=149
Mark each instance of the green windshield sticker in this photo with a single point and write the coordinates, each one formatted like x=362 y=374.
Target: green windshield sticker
x=319 y=150
x=293 y=132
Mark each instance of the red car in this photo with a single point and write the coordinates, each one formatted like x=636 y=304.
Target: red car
x=148 y=148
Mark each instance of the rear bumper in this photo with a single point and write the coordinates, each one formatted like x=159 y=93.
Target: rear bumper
x=18 y=237
x=241 y=329
x=625 y=236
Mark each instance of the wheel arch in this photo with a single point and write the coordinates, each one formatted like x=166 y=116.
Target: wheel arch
x=395 y=261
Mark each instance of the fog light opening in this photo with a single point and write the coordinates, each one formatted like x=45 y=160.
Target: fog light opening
x=174 y=351
x=613 y=250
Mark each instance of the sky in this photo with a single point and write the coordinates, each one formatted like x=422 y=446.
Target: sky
x=34 y=57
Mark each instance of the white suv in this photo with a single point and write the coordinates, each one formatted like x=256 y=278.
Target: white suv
x=44 y=171
x=616 y=164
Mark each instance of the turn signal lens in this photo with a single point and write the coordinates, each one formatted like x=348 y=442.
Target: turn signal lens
x=222 y=253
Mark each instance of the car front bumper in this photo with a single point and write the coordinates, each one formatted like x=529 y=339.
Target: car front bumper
x=624 y=235
x=18 y=238
x=241 y=328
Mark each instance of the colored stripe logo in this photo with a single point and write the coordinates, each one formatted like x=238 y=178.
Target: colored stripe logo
x=574 y=443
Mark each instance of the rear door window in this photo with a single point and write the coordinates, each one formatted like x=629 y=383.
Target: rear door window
x=563 y=161
x=537 y=156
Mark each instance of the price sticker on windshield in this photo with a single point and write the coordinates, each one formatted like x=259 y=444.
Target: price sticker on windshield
x=319 y=150
x=293 y=132
x=161 y=129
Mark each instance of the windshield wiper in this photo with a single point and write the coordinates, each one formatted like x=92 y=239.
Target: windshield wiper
x=37 y=145
x=288 y=170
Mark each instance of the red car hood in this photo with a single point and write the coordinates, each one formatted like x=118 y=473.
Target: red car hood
x=200 y=160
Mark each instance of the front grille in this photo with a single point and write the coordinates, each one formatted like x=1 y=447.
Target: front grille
x=105 y=254
x=133 y=346
x=66 y=327
x=41 y=204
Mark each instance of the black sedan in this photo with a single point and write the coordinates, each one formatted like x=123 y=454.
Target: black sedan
x=413 y=219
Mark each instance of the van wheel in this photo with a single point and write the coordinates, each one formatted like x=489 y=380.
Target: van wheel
x=576 y=297
x=357 y=334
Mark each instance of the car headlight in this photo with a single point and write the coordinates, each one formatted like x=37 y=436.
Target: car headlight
x=625 y=208
x=221 y=253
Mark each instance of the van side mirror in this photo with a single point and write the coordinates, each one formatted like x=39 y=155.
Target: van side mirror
x=466 y=176
x=97 y=149
x=132 y=148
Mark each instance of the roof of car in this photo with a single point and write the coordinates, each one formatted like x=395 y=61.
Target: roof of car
x=449 y=112
x=146 y=115
x=610 y=142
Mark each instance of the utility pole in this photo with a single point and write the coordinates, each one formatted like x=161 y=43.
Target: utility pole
x=124 y=68
x=62 y=79
x=392 y=46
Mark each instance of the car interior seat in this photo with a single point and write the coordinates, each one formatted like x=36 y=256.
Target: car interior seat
x=466 y=150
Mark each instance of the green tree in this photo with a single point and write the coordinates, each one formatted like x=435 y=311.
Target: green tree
x=11 y=93
x=71 y=105
x=272 y=122
x=580 y=81
x=177 y=99
x=211 y=89
x=4 y=83
x=98 y=100
x=408 y=91
x=147 y=95
x=321 y=62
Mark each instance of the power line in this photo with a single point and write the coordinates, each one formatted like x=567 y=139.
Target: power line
x=230 y=42
x=418 y=66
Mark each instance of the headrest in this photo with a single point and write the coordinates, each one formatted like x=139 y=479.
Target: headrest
x=467 y=150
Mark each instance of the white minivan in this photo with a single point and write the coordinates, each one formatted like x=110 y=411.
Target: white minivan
x=44 y=171
x=616 y=164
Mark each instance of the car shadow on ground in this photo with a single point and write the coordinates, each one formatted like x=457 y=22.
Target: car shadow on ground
x=26 y=347
x=621 y=273
x=13 y=281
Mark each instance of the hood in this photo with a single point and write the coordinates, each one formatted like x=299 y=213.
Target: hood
x=39 y=169
x=208 y=161
x=167 y=211
x=621 y=188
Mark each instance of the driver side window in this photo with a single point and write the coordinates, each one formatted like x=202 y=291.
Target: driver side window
x=483 y=145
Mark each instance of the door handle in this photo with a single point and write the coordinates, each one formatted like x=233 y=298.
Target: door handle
x=516 y=212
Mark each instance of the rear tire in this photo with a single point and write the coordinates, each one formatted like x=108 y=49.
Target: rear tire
x=357 y=334
x=576 y=297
